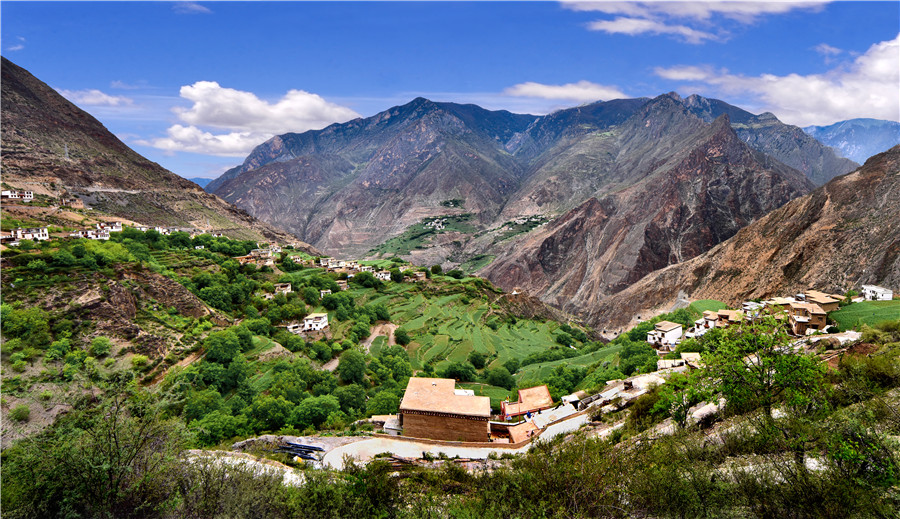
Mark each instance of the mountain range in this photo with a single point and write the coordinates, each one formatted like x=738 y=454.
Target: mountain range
x=53 y=148
x=858 y=139
x=351 y=186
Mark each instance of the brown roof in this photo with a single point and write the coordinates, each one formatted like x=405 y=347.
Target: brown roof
x=812 y=308
x=731 y=315
x=531 y=399
x=709 y=314
x=521 y=432
x=667 y=326
x=437 y=395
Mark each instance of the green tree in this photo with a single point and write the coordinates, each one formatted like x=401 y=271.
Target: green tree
x=384 y=402
x=396 y=276
x=352 y=367
x=477 y=359
x=314 y=411
x=201 y=403
x=352 y=398
x=436 y=269
x=512 y=365
x=755 y=366
x=401 y=337
x=222 y=346
x=500 y=377
x=459 y=371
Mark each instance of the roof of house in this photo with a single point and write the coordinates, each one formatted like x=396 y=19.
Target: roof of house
x=709 y=314
x=781 y=301
x=731 y=315
x=437 y=395
x=316 y=316
x=667 y=326
x=521 y=432
x=820 y=297
x=809 y=307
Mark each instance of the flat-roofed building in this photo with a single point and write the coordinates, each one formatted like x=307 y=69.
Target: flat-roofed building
x=826 y=301
x=432 y=408
x=805 y=317
x=315 y=322
x=665 y=333
x=531 y=400
x=877 y=293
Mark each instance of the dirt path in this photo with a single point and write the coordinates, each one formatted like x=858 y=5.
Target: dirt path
x=386 y=329
x=183 y=362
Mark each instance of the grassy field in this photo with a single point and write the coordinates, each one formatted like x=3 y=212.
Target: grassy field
x=866 y=312
x=703 y=305
x=536 y=372
x=446 y=327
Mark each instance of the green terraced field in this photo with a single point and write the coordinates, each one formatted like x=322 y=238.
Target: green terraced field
x=866 y=312
x=707 y=304
x=535 y=372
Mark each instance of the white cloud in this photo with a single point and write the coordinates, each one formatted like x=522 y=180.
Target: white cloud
x=121 y=85
x=683 y=73
x=582 y=91
x=94 y=97
x=746 y=12
x=635 y=26
x=18 y=46
x=690 y=21
x=246 y=119
x=190 y=8
x=195 y=140
x=827 y=50
x=866 y=87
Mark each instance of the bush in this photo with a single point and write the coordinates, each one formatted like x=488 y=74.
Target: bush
x=477 y=359
x=100 y=346
x=456 y=274
x=20 y=413
x=139 y=362
x=401 y=337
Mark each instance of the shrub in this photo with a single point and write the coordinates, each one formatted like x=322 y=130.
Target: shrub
x=20 y=413
x=100 y=346
x=139 y=362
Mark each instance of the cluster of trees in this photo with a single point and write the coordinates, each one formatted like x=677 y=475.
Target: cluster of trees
x=219 y=398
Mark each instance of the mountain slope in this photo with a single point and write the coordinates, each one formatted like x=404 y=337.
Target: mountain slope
x=841 y=235
x=685 y=195
x=351 y=186
x=52 y=147
x=787 y=143
x=858 y=139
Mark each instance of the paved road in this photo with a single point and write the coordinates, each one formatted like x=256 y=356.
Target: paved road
x=365 y=450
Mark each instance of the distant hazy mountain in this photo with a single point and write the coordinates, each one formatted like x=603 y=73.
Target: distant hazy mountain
x=200 y=181
x=838 y=237
x=50 y=144
x=858 y=139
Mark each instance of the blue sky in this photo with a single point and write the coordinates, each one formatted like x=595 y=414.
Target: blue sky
x=195 y=85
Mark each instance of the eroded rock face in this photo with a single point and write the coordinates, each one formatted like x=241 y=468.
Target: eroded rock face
x=674 y=213
x=843 y=234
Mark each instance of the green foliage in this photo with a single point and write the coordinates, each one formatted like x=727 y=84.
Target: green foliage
x=221 y=347
x=384 y=402
x=20 y=413
x=436 y=269
x=512 y=365
x=313 y=411
x=754 y=366
x=100 y=346
x=500 y=377
x=352 y=367
x=477 y=359
x=28 y=324
x=401 y=336
x=352 y=399
x=456 y=274
x=139 y=362
x=459 y=371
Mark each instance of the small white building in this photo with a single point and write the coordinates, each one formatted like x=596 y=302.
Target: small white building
x=283 y=288
x=877 y=293
x=666 y=334
x=19 y=196
x=35 y=234
x=315 y=322
x=109 y=226
x=383 y=275
x=323 y=293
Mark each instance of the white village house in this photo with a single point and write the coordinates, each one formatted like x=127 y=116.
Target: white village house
x=877 y=293
x=665 y=333
x=315 y=322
